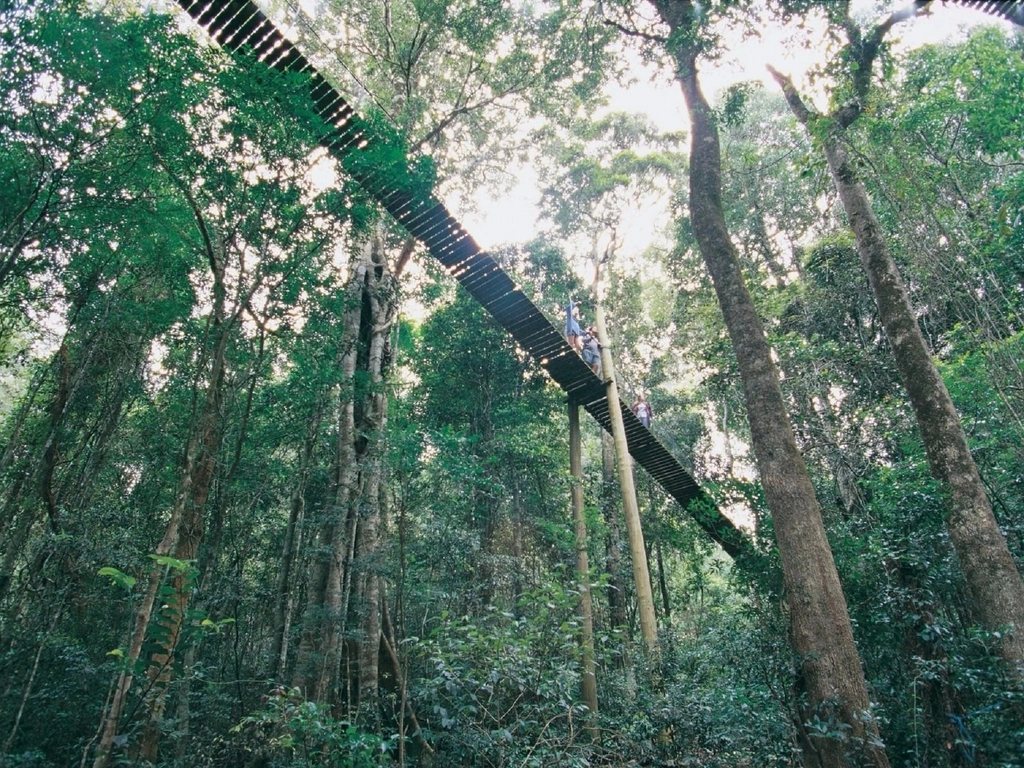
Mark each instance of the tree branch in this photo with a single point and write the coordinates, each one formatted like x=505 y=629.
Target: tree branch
x=864 y=53
x=635 y=32
x=197 y=213
x=404 y=256
x=796 y=103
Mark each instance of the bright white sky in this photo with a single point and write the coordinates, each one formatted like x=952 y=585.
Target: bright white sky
x=512 y=218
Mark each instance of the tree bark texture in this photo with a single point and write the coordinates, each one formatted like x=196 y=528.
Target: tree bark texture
x=828 y=665
x=193 y=492
x=346 y=573
x=319 y=652
x=988 y=567
x=588 y=683
x=292 y=551
x=985 y=559
x=181 y=540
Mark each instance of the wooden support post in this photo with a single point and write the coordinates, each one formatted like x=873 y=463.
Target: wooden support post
x=588 y=686
x=637 y=550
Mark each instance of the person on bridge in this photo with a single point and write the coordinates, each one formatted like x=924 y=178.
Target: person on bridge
x=573 y=332
x=642 y=410
x=592 y=350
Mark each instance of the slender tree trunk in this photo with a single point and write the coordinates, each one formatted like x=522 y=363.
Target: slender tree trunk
x=291 y=551
x=727 y=439
x=196 y=483
x=51 y=449
x=181 y=540
x=183 y=713
x=69 y=378
x=518 y=526
x=369 y=603
x=319 y=649
x=828 y=665
x=77 y=493
x=588 y=683
x=14 y=543
x=839 y=460
x=112 y=717
x=634 y=530
x=666 y=604
x=27 y=689
x=205 y=574
x=613 y=545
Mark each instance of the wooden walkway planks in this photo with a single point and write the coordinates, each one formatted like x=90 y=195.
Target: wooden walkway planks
x=240 y=26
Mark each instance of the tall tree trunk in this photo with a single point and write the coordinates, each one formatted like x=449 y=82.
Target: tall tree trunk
x=613 y=544
x=370 y=629
x=15 y=540
x=988 y=567
x=350 y=539
x=839 y=459
x=518 y=526
x=181 y=540
x=319 y=651
x=631 y=508
x=284 y=604
x=666 y=604
x=380 y=298
x=827 y=661
x=181 y=537
x=183 y=713
x=39 y=471
x=193 y=491
x=984 y=557
x=206 y=573
x=588 y=683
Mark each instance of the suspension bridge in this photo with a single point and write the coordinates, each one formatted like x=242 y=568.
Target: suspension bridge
x=239 y=26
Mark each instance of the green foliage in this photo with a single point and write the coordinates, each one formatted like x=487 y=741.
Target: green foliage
x=453 y=77
x=185 y=567
x=714 y=698
x=602 y=169
x=983 y=73
x=502 y=688
x=118 y=134
x=118 y=578
x=290 y=732
x=734 y=103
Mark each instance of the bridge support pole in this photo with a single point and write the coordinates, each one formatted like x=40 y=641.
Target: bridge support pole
x=634 y=531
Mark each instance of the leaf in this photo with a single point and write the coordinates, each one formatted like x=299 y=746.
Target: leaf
x=216 y=626
x=172 y=562
x=118 y=578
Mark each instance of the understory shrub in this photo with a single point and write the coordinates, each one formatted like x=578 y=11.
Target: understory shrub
x=503 y=690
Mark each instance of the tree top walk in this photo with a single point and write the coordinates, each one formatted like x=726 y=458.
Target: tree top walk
x=240 y=26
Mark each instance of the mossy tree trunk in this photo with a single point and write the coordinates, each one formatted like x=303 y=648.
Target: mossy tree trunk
x=345 y=584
